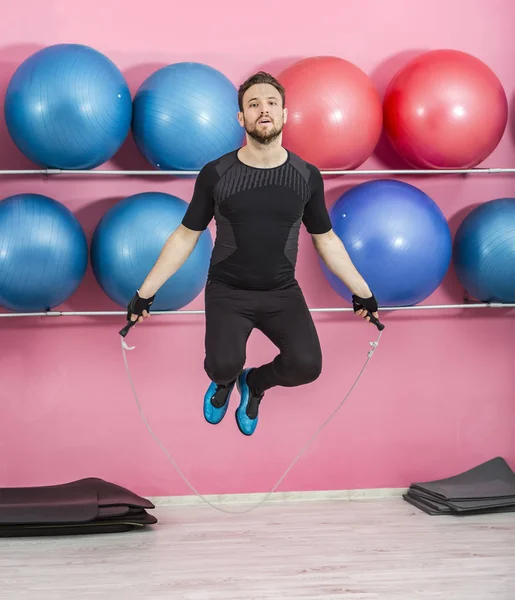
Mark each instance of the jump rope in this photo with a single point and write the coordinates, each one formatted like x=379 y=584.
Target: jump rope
x=125 y=347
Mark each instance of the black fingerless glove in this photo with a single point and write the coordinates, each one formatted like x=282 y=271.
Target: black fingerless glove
x=136 y=307
x=369 y=304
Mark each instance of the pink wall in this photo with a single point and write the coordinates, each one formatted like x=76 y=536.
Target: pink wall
x=438 y=396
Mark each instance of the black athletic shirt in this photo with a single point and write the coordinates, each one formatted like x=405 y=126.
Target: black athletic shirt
x=258 y=213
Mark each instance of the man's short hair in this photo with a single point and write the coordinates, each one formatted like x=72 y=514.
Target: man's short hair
x=260 y=77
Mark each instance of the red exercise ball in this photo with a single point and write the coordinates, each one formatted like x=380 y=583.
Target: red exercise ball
x=334 y=112
x=445 y=109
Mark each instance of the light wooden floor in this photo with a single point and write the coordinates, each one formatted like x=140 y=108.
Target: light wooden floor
x=316 y=550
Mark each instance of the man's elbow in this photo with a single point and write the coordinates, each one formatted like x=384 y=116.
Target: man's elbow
x=325 y=242
x=188 y=235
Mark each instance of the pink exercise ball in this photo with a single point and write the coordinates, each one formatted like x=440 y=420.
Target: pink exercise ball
x=334 y=112
x=445 y=109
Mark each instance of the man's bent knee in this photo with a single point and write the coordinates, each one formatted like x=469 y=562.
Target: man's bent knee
x=303 y=368
x=223 y=371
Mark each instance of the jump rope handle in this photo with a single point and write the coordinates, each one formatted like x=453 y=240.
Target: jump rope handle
x=136 y=307
x=370 y=305
x=125 y=330
x=375 y=321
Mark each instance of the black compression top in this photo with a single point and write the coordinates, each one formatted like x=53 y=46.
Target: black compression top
x=258 y=213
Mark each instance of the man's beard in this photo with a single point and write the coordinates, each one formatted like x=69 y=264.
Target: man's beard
x=265 y=137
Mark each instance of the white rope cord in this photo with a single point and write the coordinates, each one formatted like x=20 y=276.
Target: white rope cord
x=304 y=448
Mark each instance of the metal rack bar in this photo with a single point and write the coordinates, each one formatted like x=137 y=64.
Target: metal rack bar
x=156 y=172
x=108 y=313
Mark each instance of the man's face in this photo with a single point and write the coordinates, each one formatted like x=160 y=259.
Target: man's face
x=263 y=115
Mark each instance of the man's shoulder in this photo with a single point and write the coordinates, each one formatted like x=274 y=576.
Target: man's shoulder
x=214 y=169
x=306 y=169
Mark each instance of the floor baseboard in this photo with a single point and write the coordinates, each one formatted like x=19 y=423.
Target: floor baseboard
x=365 y=494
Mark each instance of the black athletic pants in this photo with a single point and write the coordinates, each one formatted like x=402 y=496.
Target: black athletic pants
x=282 y=315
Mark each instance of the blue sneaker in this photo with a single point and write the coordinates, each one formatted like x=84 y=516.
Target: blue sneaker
x=216 y=402
x=247 y=411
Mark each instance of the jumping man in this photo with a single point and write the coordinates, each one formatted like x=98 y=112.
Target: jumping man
x=259 y=196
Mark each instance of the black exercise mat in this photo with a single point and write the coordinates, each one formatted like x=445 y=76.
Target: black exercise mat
x=425 y=507
x=113 y=511
x=101 y=526
x=110 y=494
x=47 y=505
x=92 y=528
x=77 y=501
x=433 y=509
x=487 y=488
x=440 y=507
x=83 y=506
x=491 y=480
x=464 y=505
x=117 y=510
x=143 y=519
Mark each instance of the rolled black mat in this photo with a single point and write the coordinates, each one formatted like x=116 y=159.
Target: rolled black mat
x=89 y=505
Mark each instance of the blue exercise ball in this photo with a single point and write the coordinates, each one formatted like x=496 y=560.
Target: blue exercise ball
x=484 y=251
x=68 y=107
x=128 y=240
x=185 y=115
x=398 y=239
x=43 y=253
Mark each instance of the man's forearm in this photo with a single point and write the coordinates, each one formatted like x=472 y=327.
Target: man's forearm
x=336 y=258
x=174 y=254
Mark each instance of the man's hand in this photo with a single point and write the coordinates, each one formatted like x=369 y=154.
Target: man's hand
x=364 y=307
x=139 y=308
